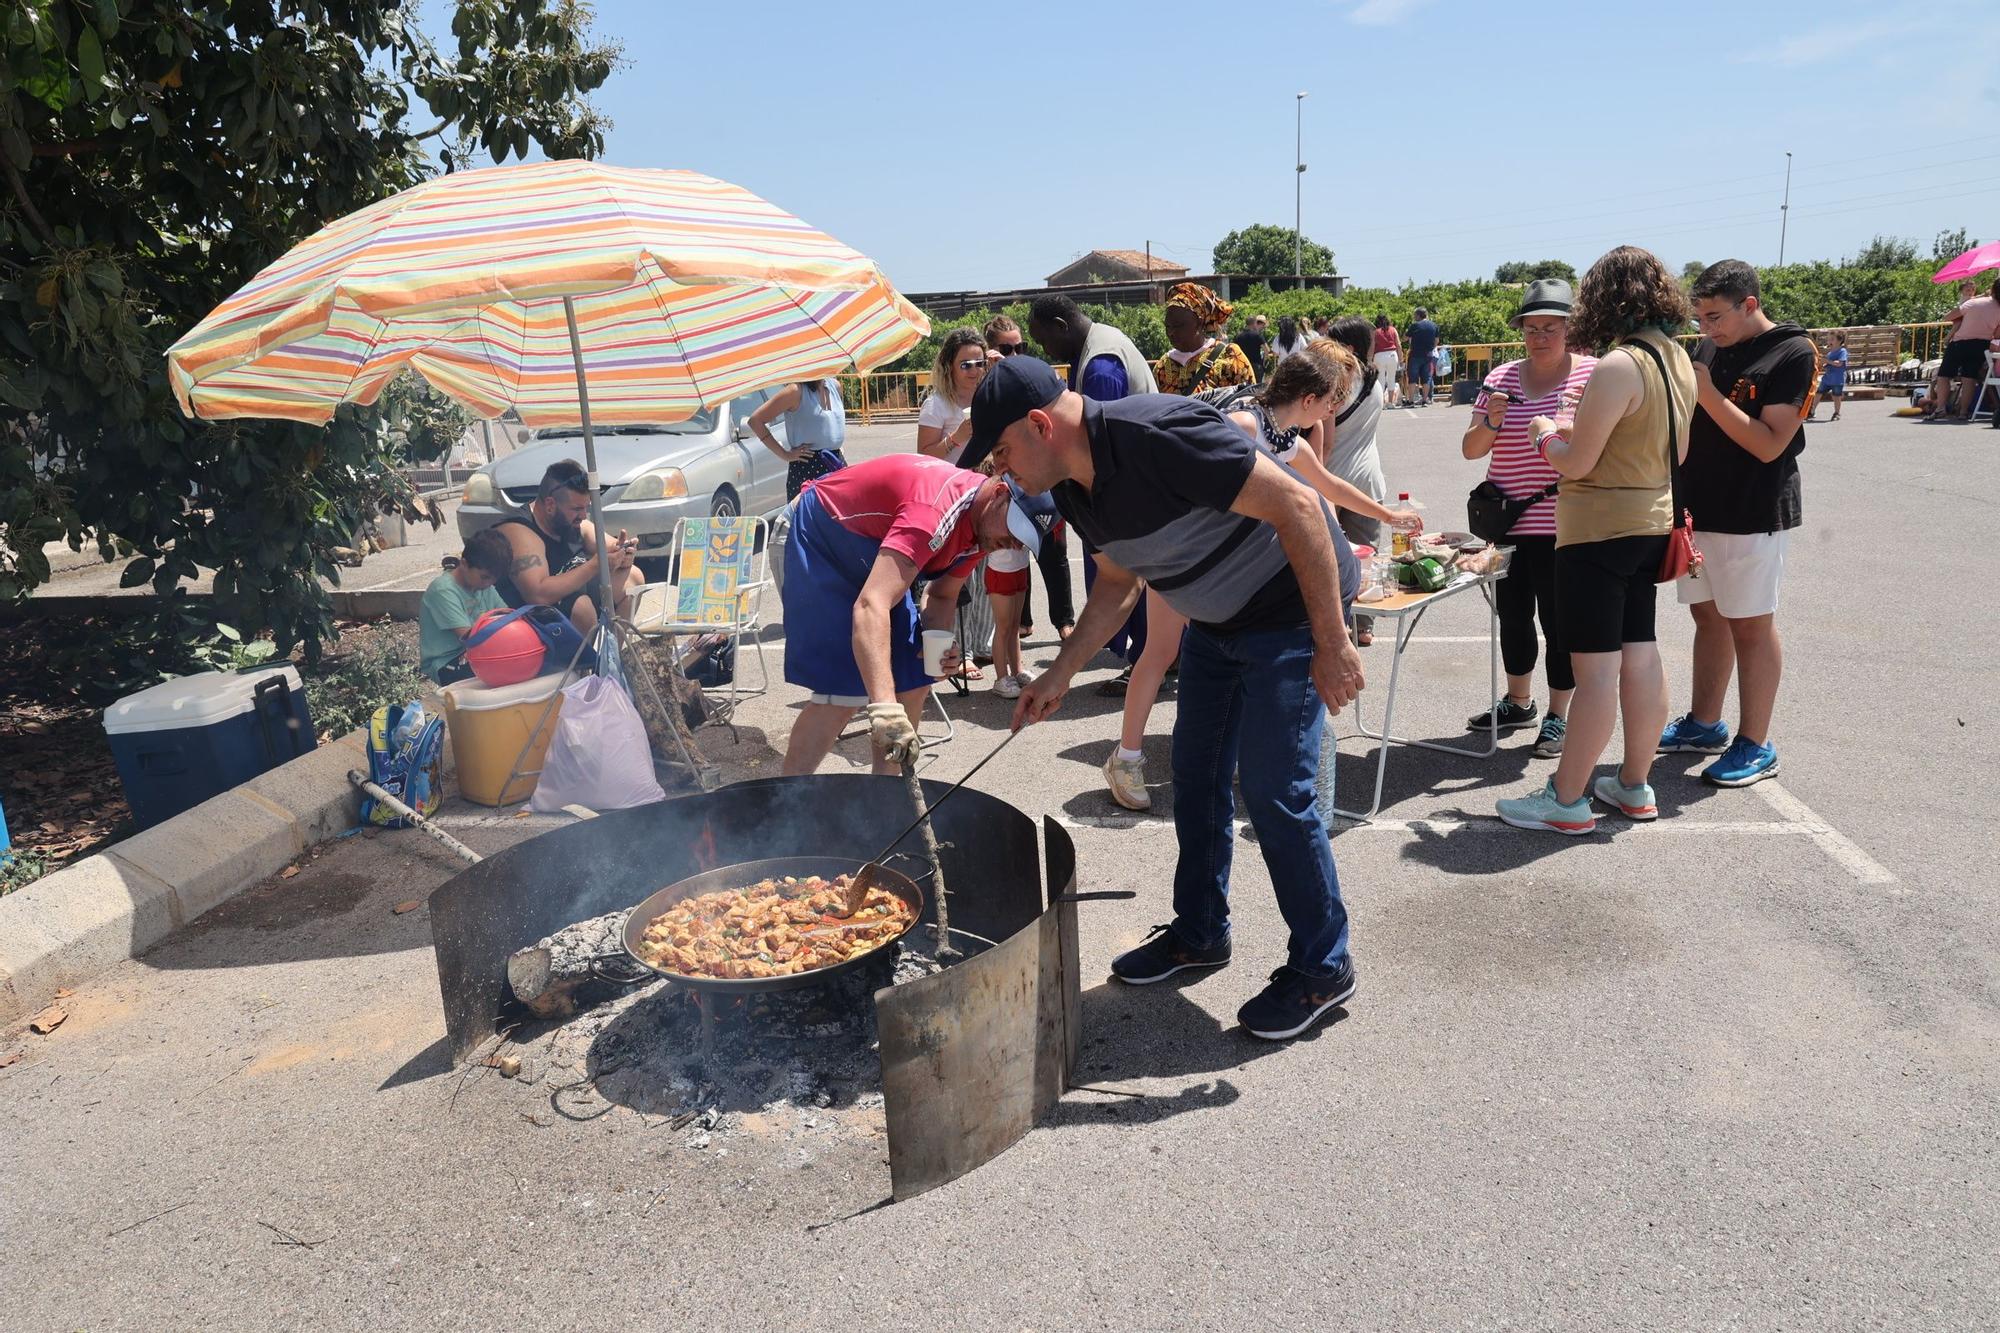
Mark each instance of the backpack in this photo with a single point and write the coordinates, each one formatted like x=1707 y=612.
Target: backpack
x=405 y=759
x=1227 y=397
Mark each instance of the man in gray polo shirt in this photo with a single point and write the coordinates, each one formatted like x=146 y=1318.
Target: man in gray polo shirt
x=1172 y=493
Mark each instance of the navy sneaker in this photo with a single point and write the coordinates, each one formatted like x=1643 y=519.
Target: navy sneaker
x=1549 y=744
x=1745 y=763
x=1162 y=956
x=1513 y=716
x=1294 y=1001
x=1686 y=735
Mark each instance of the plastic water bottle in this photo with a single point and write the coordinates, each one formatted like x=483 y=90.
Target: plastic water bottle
x=1399 y=538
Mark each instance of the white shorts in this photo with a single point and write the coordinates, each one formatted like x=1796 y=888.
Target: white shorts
x=1740 y=572
x=855 y=701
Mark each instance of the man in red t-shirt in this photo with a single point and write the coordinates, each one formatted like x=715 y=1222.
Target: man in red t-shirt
x=860 y=539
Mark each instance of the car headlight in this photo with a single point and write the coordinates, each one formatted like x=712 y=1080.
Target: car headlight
x=479 y=489
x=665 y=483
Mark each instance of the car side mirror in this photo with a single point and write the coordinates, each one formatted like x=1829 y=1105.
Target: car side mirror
x=740 y=433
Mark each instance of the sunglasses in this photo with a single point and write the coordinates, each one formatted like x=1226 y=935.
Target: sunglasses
x=1011 y=349
x=980 y=364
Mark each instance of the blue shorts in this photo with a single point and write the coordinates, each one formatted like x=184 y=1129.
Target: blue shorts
x=1423 y=369
x=825 y=569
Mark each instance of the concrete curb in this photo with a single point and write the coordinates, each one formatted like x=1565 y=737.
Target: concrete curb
x=67 y=927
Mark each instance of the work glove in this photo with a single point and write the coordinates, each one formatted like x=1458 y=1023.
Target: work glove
x=889 y=727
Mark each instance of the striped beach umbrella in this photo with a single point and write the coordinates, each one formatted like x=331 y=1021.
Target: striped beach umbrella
x=572 y=292
x=684 y=290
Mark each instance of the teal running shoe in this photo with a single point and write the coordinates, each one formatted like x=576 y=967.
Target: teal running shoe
x=1544 y=811
x=1632 y=802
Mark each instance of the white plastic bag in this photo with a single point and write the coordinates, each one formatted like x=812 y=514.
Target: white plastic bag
x=598 y=757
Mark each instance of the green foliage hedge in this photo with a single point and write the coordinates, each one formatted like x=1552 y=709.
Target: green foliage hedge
x=1818 y=295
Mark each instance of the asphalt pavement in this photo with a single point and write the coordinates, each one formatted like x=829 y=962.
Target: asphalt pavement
x=1735 y=1069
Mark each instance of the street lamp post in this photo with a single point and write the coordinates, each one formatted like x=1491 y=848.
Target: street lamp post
x=1298 y=187
x=1785 y=211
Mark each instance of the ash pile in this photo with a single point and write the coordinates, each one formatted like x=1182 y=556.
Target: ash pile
x=774 y=1061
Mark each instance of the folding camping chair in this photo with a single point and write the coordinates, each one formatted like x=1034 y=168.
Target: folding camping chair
x=718 y=563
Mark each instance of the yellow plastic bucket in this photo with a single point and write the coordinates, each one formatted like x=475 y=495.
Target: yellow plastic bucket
x=489 y=726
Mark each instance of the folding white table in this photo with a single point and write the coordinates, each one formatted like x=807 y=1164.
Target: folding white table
x=1407 y=610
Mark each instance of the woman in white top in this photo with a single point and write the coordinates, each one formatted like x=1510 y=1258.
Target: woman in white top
x=1292 y=338
x=944 y=421
x=944 y=424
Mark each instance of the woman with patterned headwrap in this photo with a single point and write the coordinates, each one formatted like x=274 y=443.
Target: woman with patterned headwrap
x=1198 y=360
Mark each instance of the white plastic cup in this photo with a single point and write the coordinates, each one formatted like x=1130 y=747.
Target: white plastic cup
x=937 y=642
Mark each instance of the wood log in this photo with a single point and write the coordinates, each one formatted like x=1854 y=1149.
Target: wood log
x=552 y=977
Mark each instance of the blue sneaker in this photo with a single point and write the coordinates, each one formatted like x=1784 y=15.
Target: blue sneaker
x=1685 y=735
x=1746 y=762
x=1294 y=1001
x=1162 y=956
x=1544 y=810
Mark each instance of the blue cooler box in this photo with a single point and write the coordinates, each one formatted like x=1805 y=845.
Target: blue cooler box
x=185 y=740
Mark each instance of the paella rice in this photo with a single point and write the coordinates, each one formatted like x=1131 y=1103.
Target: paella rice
x=773 y=928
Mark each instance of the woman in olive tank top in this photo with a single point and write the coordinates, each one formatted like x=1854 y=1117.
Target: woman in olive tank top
x=1613 y=515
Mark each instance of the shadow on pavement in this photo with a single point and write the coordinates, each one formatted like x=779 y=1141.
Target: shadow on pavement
x=1157 y=1032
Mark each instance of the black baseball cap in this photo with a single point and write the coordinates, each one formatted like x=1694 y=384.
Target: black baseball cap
x=1012 y=389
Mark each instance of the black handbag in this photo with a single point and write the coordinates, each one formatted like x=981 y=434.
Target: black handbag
x=1491 y=515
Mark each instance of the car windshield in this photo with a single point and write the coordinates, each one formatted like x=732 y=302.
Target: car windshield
x=701 y=423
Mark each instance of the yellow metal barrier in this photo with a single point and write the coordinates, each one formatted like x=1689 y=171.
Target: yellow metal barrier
x=890 y=395
x=1920 y=342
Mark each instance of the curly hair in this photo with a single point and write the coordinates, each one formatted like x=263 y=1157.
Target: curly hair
x=1627 y=290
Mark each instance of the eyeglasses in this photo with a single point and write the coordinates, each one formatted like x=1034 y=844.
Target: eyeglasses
x=1711 y=320
x=1530 y=331
x=980 y=364
x=1011 y=349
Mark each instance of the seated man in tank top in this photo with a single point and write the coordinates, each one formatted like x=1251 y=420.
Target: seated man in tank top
x=555 y=551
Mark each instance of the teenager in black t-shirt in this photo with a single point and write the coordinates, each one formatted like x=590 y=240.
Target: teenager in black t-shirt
x=1756 y=380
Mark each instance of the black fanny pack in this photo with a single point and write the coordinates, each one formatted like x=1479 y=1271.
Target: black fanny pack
x=1491 y=515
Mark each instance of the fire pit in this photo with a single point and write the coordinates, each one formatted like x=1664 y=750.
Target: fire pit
x=971 y=1056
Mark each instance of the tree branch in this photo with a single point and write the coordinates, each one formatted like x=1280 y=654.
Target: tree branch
x=28 y=209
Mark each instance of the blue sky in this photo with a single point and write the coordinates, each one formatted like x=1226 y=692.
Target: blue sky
x=947 y=140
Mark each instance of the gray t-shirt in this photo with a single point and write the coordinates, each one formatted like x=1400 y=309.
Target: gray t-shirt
x=1352 y=456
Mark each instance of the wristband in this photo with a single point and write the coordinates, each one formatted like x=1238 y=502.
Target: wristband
x=1542 y=442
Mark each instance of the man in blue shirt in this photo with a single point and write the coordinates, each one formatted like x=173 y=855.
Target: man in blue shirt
x=1423 y=365
x=1171 y=492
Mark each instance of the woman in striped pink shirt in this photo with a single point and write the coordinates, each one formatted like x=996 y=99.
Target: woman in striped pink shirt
x=1514 y=395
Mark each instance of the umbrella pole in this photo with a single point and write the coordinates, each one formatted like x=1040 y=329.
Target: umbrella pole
x=607 y=606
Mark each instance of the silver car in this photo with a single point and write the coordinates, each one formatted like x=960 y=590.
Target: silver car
x=652 y=476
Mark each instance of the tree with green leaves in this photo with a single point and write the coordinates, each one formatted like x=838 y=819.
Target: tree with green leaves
x=1267 y=251
x=1885 y=252
x=1951 y=244
x=1522 y=270
x=154 y=155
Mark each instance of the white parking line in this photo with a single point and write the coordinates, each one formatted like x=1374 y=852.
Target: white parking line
x=1799 y=822
x=1763 y=828
x=1834 y=843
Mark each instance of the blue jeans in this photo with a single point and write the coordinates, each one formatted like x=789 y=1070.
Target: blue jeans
x=1253 y=693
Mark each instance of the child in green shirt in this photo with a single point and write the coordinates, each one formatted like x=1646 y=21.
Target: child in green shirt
x=455 y=599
